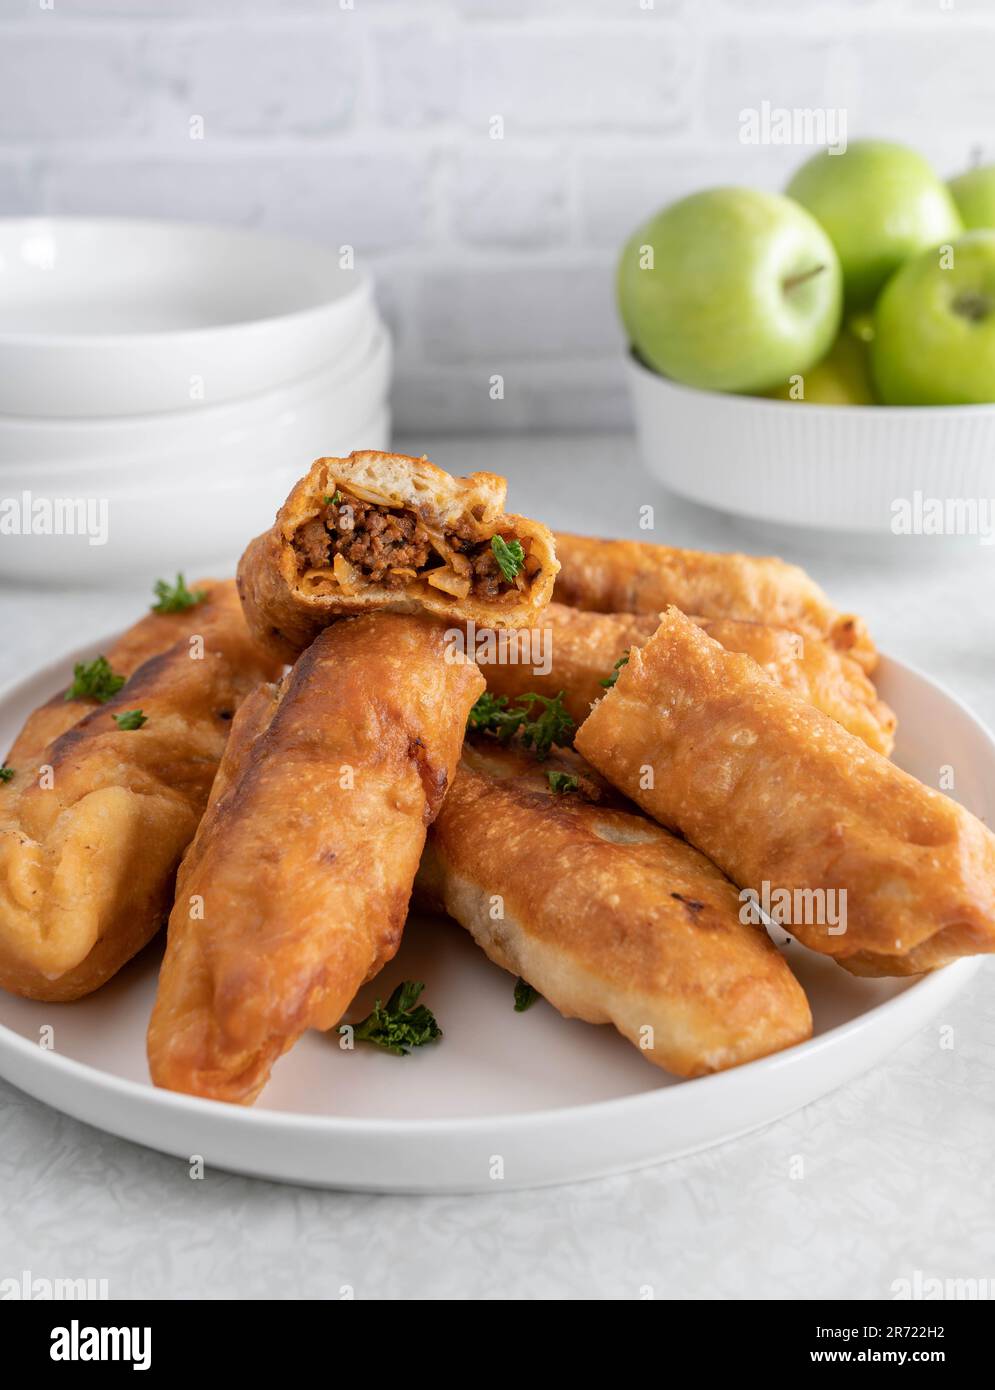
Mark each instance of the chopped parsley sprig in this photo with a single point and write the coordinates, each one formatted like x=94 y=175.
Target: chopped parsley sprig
x=492 y=714
x=176 y=598
x=616 y=670
x=94 y=680
x=400 y=1024
x=130 y=719
x=6 y=773
x=562 y=781
x=510 y=556
x=525 y=995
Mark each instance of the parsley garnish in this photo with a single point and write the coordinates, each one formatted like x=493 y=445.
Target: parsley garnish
x=401 y=1024
x=509 y=555
x=622 y=661
x=554 y=725
x=6 y=773
x=174 y=598
x=336 y=499
x=493 y=715
x=489 y=714
x=525 y=996
x=94 y=680
x=130 y=719
x=562 y=781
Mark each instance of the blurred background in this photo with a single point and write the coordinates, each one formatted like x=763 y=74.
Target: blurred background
x=485 y=158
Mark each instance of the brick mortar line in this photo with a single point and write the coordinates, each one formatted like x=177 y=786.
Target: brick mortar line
x=817 y=24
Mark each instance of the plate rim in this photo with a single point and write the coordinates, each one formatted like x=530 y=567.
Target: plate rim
x=915 y=998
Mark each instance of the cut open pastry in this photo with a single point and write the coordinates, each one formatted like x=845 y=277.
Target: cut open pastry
x=385 y=531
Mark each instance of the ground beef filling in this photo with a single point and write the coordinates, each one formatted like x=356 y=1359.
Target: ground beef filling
x=481 y=566
x=386 y=545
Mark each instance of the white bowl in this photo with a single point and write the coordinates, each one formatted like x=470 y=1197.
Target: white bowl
x=198 y=513
x=179 y=492
x=827 y=467
x=118 y=317
x=38 y=452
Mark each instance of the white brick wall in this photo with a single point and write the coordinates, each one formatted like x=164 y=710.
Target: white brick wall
x=372 y=124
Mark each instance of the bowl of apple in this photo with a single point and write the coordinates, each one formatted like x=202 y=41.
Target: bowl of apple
x=822 y=357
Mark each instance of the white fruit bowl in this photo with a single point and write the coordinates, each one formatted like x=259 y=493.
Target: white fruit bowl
x=105 y=316
x=826 y=467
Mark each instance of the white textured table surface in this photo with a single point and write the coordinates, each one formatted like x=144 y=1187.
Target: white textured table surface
x=898 y=1170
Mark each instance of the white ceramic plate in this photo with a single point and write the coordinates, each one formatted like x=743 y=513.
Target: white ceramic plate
x=505 y=1100
x=106 y=316
x=827 y=467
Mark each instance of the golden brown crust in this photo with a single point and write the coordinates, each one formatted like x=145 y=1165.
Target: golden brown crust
x=638 y=577
x=581 y=649
x=610 y=917
x=88 y=850
x=287 y=606
x=775 y=792
x=816 y=672
x=152 y=634
x=296 y=887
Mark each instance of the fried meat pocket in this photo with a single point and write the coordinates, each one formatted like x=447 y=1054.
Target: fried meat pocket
x=296 y=888
x=885 y=874
x=93 y=824
x=607 y=915
x=388 y=532
x=639 y=577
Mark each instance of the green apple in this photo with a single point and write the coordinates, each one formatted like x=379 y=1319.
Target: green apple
x=974 y=194
x=934 y=327
x=843 y=377
x=861 y=325
x=880 y=204
x=730 y=290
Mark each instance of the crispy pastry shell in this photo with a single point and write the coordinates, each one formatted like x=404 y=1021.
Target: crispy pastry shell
x=607 y=915
x=638 y=577
x=153 y=633
x=287 y=607
x=296 y=888
x=583 y=648
x=93 y=828
x=775 y=792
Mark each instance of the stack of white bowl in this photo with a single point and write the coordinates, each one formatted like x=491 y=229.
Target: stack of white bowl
x=174 y=380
